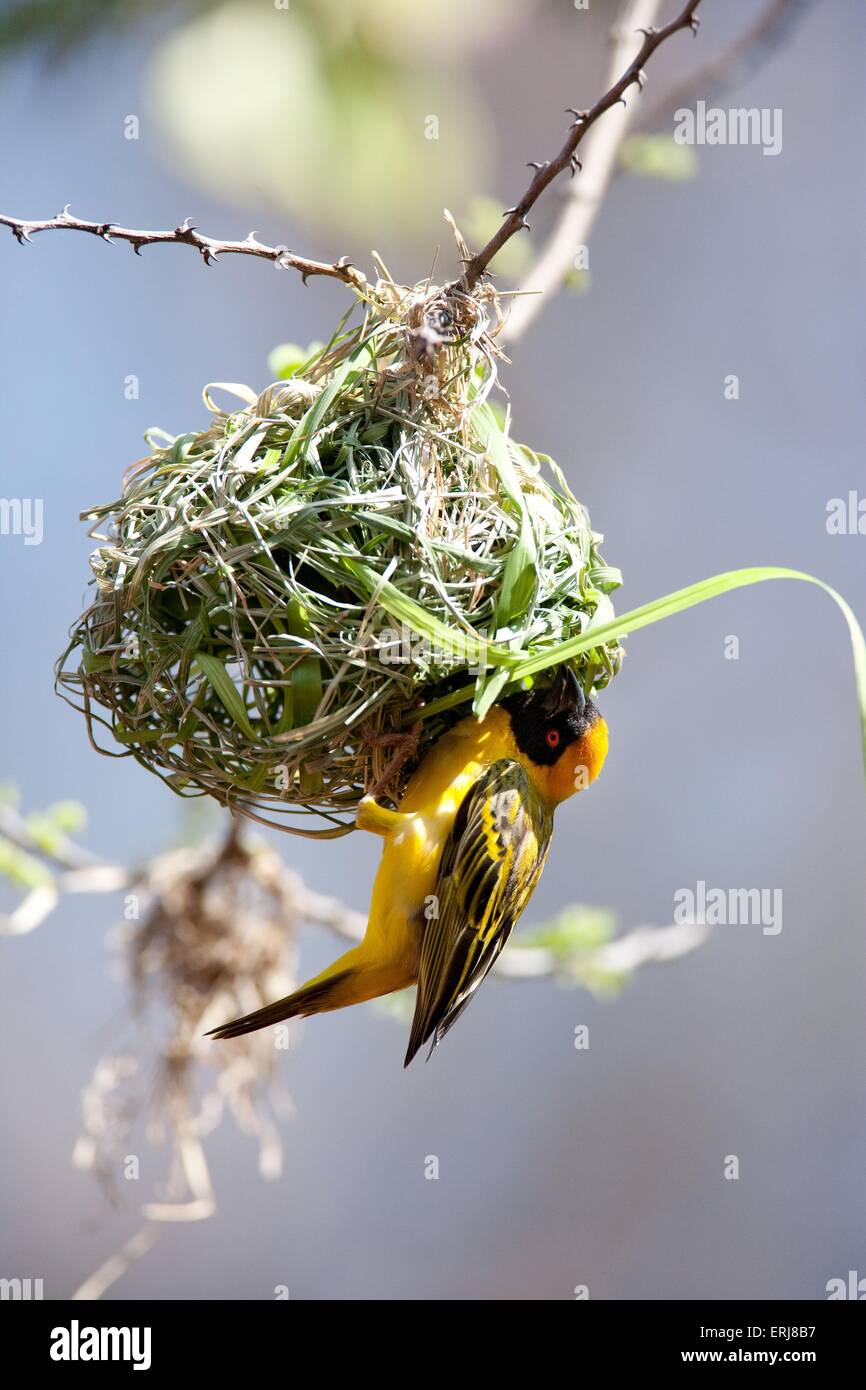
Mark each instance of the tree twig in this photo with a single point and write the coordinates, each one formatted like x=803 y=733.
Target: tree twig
x=515 y=218
x=643 y=945
x=734 y=62
x=574 y=226
x=63 y=853
x=576 y=221
x=117 y=1265
x=209 y=248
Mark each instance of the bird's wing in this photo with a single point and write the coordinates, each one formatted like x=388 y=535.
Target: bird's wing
x=490 y=865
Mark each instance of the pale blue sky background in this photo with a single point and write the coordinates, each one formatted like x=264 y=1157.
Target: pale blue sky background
x=557 y=1167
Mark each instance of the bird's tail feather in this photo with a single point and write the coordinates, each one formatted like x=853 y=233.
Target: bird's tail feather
x=316 y=997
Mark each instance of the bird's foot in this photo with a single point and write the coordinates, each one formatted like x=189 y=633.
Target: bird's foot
x=405 y=745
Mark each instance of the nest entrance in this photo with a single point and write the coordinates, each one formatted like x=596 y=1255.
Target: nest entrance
x=282 y=596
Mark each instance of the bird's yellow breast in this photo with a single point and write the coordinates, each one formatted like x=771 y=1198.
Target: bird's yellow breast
x=445 y=774
x=410 y=859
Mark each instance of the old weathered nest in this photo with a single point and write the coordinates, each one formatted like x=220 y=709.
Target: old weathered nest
x=294 y=603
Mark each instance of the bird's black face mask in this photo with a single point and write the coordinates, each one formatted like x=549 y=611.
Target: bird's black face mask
x=546 y=721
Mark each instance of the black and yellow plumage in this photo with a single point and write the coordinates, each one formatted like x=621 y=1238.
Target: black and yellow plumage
x=490 y=865
x=461 y=860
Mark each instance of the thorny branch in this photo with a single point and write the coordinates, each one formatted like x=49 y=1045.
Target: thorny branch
x=575 y=223
x=515 y=218
x=581 y=208
x=735 y=61
x=186 y=234
x=586 y=194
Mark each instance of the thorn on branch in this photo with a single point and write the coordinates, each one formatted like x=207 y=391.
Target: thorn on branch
x=187 y=234
x=477 y=266
x=521 y=220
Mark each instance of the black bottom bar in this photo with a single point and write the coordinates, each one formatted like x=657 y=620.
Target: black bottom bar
x=258 y=1340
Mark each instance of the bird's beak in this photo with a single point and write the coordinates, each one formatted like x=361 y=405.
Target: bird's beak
x=564 y=694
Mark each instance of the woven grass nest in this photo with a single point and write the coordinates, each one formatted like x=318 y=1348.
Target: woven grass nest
x=293 y=604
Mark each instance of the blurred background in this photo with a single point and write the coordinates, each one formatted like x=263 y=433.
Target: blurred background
x=558 y=1167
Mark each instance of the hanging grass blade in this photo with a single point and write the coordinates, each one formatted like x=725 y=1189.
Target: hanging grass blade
x=666 y=607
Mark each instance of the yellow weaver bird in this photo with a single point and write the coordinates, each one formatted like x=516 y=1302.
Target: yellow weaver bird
x=461 y=859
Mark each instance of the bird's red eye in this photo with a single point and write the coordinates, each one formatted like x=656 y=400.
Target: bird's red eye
x=553 y=738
